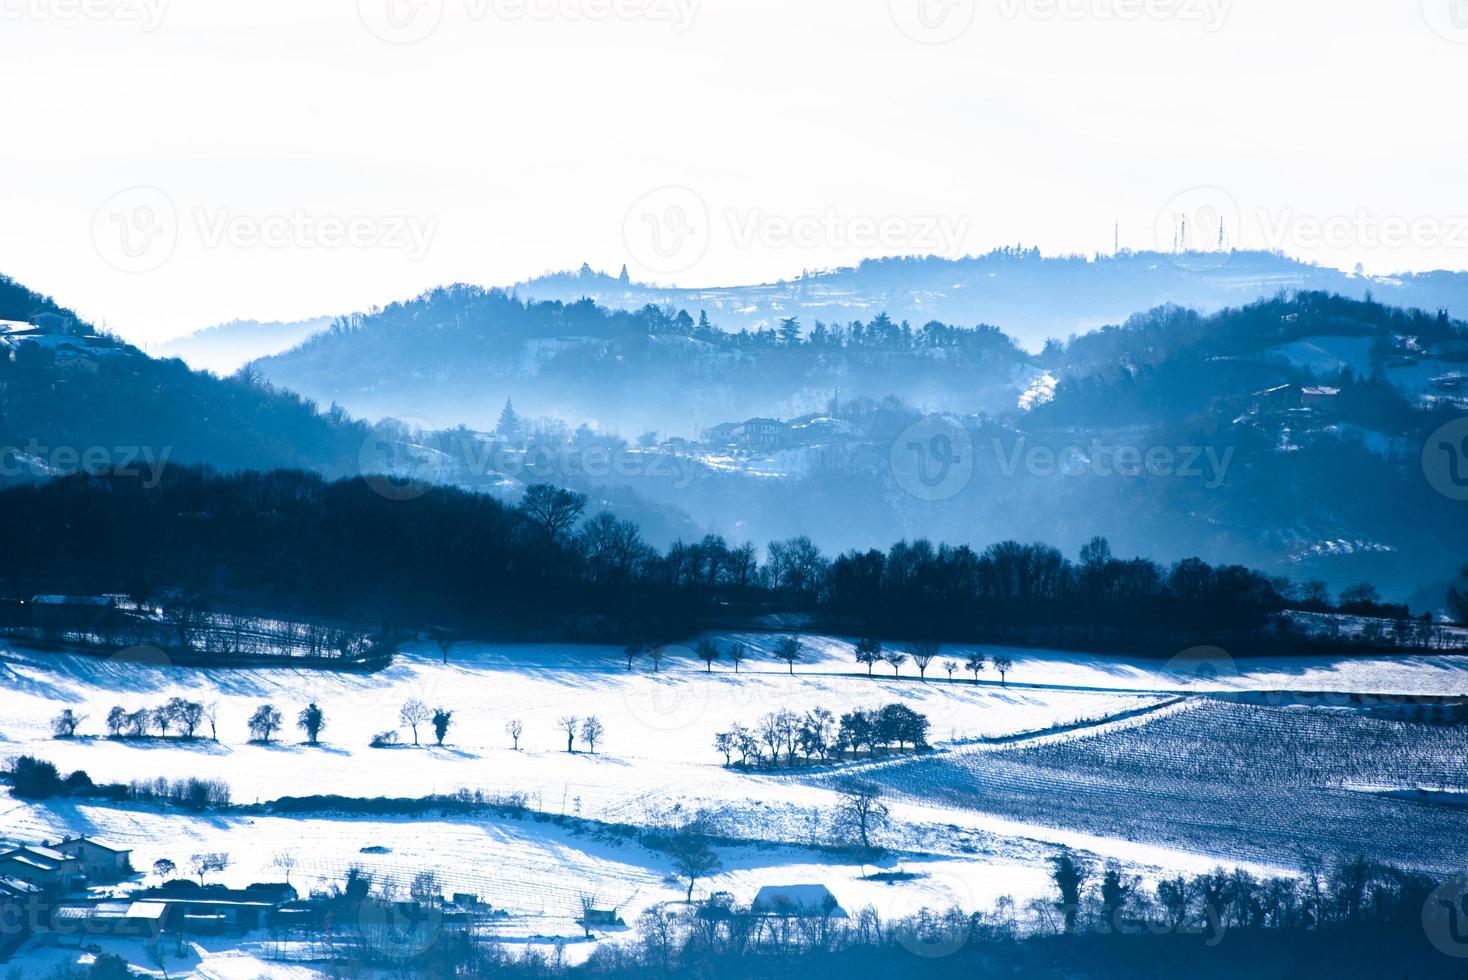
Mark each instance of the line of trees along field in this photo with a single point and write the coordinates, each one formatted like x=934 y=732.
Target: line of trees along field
x=294 y=542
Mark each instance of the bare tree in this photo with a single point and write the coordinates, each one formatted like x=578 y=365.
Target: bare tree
x=693 y=858
x=414 y=713
x=264 y=723
x=895 y=661
x=656 y=653
x=285 y=863
x=569 y=725
x=65 y=724
x=211 y=715
x=188 y=715
x=950 y=667
x=205 y=864
x=789 y=650
x=1004 y=665
x=632 y=651
x=861 y=811
x=974 y=664
x=923 y=653
x=425 y=889
x=737 y=655
x=553 y=511
x=592 y=731
x=708 y=651
x=163 y=868
x=515 y=728
x=869 y=653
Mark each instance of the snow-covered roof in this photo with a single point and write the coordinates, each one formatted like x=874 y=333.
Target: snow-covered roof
x=17 y=887
x=797 y=900
x=40 y=864
x=146 y=910
x=95 y=843
x=1320 y=391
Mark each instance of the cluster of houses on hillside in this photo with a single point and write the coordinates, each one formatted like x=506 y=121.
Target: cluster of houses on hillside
x=73 y=345
x=769 y=435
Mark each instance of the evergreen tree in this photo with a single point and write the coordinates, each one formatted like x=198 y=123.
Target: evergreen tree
x=510 y=426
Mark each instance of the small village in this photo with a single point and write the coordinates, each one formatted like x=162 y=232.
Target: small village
x=79 y=892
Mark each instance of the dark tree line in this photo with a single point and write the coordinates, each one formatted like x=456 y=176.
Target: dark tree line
x=287 y=541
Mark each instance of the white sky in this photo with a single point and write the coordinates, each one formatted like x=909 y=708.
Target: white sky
x=522 y=142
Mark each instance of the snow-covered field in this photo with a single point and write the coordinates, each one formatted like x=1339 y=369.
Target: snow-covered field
x=1055 y=758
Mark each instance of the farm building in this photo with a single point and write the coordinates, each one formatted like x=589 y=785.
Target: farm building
x=98 y=861
x=46 y=868
x=212 y=909
x=797 y=901
x=108 y=918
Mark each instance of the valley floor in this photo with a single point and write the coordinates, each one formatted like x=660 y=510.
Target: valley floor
x=1160 y=766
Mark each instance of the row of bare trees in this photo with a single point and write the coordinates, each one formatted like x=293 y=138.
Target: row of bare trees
x=818 y=735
